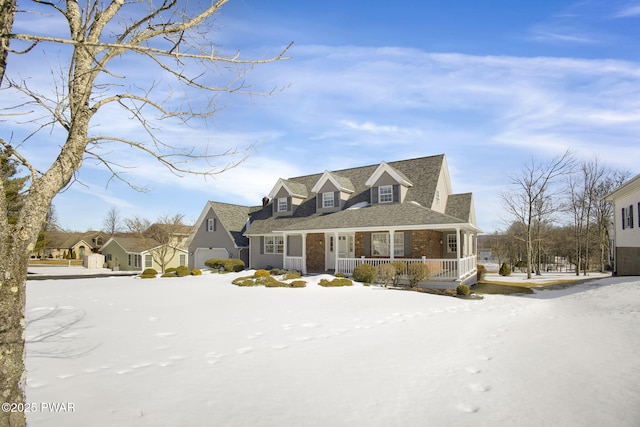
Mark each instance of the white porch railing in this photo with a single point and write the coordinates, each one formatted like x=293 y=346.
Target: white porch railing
x=293 y=263
x=439 y=269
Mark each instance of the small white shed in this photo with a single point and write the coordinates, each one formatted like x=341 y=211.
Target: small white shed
x=93 y=261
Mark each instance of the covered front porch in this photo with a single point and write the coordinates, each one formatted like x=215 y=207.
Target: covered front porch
x=450 y=254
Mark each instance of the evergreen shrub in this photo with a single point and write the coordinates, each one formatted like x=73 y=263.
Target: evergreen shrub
x=338 y=281
x=463 y=290
x=365 y=273
x=196 y=272
x=261 y=273
x=182 y=271
x=228 y=264
x=505 y=270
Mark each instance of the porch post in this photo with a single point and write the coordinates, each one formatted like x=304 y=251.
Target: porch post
x=284 y=251
x=458 y=251
x=304 y=253
x=392 y=244
x=336 y=251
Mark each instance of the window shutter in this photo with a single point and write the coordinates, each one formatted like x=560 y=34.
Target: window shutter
x=374 y=195
x=367 y=244
x=396 y=193
x=630 y=216
x=289 y=204
x=318 y=201
x=336 y=199
x=261 y=245
x=407 y=244
x=624 y=218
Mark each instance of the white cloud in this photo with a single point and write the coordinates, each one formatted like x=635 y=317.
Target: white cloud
x=628 y=12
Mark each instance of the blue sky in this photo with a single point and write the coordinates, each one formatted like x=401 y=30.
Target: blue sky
x=490 y=84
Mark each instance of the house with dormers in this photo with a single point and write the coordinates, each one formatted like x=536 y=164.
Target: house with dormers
x=333 y=221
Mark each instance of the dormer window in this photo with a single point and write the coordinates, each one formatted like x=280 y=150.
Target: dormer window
x=385 y=194
x=282 y=204
x=328 y=200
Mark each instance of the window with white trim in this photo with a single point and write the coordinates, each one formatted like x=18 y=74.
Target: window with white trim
x=148 y=261
x=135 y=260
x=380 y=244
x=328 y=200
x=211 y=224
x=273 y=244
x=398 y=244
x=452 y=243
x=385 y=194
x=282 y=204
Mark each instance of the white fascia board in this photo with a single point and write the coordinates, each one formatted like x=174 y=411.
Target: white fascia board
x=384 y=167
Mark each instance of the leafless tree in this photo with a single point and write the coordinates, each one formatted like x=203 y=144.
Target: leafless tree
x=530 y=188
x=165 y=236
x=170 y=35
x=112 y=221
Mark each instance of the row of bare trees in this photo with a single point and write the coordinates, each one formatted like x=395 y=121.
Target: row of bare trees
x=557 y=209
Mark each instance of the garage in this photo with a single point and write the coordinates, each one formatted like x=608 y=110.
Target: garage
x=202 y=254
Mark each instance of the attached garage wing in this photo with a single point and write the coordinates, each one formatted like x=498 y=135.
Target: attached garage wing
x=203 y=254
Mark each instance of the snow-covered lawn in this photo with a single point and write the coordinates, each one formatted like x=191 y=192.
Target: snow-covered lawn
x=198 y=351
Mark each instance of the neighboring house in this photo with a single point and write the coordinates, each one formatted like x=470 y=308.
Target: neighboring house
x=333 y=221
x=136 y=253
x=626 y=241
x=218 y=233
x=60 y=244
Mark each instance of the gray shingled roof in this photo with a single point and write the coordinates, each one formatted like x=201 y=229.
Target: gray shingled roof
x=459 y=206
x=422 y=172
x=135 y=244
x=234 y=219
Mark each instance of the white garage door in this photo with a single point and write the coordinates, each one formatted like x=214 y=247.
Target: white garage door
x=203 y=254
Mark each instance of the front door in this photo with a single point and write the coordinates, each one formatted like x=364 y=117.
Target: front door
x=344 y=246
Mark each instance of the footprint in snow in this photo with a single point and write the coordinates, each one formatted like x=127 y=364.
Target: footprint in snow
x=485 y=357
x=244 y=350
x=165 y=334
x=280 y=346
x=473 y=370
x=469 y=409
x=479 y=387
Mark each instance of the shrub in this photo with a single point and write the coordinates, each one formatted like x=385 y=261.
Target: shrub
x=182 y=271
x=339 y=274
x=417 y=272
x=267 y=281
x=364 y=273
x=277 y=271
x=227 y=264
x=400 y=267
x=196 y=272
x=505 y=270
x=338 y=281
x=463 y=290
x=292 y=275
x=481 y=271
x=149 y=272
x=245 y=282
x=298 y=284
x=261 y=273
x=170 y=270
x=170 y=274
x=386 y=274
